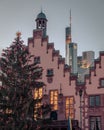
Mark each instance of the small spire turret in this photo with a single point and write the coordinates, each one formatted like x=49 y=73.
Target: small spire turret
x=41 y=22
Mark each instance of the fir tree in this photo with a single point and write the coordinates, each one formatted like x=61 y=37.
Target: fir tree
x=19 y=77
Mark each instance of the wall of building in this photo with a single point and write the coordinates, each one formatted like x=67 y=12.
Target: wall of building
x=66 y=84
x=51 y=59
x=94 y=88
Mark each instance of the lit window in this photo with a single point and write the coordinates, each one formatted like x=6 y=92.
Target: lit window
x=95 y=123
x=54 y=99
x=69 y=107
x=37 y=60
x=8 y=111
x=94 y=100
x=37 y=95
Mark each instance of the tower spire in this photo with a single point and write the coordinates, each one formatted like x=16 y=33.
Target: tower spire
x=41 y=9
x=70 y=18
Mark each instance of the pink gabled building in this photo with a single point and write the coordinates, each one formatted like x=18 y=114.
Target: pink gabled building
x=93 y=97
x=83 y=102
x=60 y=87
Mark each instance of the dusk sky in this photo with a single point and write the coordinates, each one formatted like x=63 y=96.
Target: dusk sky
x=87 y=22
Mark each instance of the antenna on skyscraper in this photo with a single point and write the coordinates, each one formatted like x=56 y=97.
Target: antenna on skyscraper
x=70 y=25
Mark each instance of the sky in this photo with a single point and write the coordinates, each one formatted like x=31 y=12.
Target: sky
x=87 y=22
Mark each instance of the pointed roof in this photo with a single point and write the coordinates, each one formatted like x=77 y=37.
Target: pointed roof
x=41 y=15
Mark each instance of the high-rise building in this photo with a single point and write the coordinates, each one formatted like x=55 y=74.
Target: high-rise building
x=88 y=59
x=71 y=50
x=84 y=63
x=73 y=57
x=68 y=41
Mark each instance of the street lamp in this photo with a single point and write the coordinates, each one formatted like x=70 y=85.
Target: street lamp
x=80 y=94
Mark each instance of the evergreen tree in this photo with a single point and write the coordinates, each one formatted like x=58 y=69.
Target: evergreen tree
x=20 y=77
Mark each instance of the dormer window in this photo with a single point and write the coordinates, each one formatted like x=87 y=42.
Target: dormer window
x=50 y=72
x=37 y=60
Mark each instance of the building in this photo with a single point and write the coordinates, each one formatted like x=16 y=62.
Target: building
x=88 y=59
x=84 y=63
x=73 y=58
x=60 y=88
x=82 y=101
x=71 y=50
x=93 y=96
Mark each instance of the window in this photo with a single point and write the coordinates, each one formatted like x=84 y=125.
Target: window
x=54 y=99
x=37 y=60
x=69 y=107
x=49 y=72
x=101 y=82
x=37 y=95
x=94 y=100
x=95 y=123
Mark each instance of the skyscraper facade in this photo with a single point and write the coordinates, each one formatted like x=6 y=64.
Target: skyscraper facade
x=71 y=50
x=73 y=57
x=88 y=59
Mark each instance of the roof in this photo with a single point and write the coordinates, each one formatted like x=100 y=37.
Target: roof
x=41 y=15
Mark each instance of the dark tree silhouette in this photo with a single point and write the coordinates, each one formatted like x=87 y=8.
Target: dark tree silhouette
x=19 y=77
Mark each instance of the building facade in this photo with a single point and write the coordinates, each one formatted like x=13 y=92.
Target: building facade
x=84 y=63
x=60 y=88
x=73 y=58
x=82 y=101
x=71 y=50
x=93 y=105
x=88 y=59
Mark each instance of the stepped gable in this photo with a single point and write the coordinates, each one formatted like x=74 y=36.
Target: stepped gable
x=97 y=64
x=50 y=46
x=56 y=53
x=67 y=68
x=74 y=77
x=37 y=35
x=94 y=87
x=30 y=41
x=39 y=46
x=61 y=61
